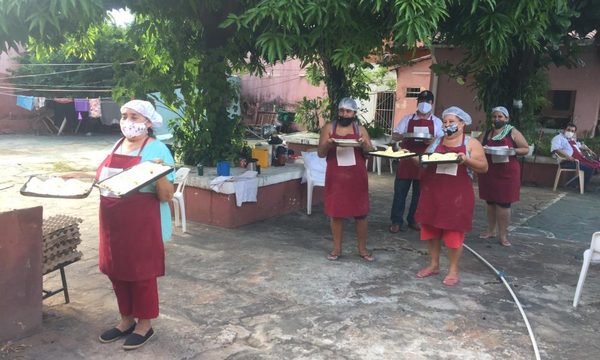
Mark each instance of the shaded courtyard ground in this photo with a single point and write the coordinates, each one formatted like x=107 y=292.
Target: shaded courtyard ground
x=266 y=291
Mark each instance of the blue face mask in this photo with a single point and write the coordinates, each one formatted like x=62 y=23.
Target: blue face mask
x=450 y=130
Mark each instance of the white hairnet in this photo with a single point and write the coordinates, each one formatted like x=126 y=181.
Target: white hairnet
x=348 y=104
x=501 y=109
x=459 y=113
x=145 y=108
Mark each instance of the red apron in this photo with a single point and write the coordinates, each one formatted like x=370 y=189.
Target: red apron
x=446 y=201
x=502 y=182
x=407 y=168
x=582 y=160
x=131 y=246
x=346 y=187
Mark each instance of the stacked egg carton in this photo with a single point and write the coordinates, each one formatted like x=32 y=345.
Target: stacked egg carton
x=60 y=239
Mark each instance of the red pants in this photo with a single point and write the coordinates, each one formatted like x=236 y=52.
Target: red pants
x=452 y=239
x=137 y=298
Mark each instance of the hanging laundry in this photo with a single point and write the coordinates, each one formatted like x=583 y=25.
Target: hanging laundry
x=26 y=102
x=63 y=100
x=95 y=109
x=81 y=105
x=111 y=112
x=39 y=102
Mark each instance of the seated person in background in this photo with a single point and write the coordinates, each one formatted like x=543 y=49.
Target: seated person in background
x=566 y=146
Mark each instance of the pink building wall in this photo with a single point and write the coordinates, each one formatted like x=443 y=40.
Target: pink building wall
x=417 y=75
x=283 y=85
x=12 y=117
x=582 y=80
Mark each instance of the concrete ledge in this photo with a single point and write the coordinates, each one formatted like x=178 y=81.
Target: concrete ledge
x=279 y=192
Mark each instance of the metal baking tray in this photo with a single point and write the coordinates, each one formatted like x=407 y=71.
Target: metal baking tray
x=418 y=136
x=82 y=195
x=383 y=154
x=456 y=161
x=167 y=169
x=346 y=142
x=501 y=152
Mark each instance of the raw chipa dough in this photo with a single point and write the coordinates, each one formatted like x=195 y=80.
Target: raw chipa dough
x=440 y=157
x=57 y=186
x=132 y=177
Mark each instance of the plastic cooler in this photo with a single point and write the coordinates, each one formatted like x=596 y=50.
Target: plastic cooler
x=262 y=154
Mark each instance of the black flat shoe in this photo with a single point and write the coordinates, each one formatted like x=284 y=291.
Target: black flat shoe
x=115 y=334
x=134 y=341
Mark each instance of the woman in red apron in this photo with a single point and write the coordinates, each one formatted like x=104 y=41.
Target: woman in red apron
x=501 y=185
x=131 y=251
x=445 y=209
x=346 y=181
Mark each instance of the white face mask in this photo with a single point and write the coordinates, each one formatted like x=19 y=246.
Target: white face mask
x=132 y=129
x=569 y=134
x=424 y=107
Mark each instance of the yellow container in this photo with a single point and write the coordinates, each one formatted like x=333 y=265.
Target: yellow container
x=263 y=157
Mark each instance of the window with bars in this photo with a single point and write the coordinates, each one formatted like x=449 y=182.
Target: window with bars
x=384 y=110
x=412 y=92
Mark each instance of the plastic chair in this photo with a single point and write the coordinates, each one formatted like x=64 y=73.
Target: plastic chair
x=591 y=255
x=178 y=202
x=560 y=170
x=315 y=168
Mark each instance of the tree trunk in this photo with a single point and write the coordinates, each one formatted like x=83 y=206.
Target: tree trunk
x=335 y=80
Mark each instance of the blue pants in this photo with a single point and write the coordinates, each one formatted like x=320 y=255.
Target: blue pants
x=401 y=187
x=587 y=171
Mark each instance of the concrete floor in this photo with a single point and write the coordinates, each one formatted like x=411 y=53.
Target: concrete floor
x=266 y=291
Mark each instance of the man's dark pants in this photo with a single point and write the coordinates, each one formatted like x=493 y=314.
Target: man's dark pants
x=401 y=188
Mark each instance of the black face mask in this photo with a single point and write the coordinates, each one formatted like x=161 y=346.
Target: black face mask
x=499 y=124
x=345 y=121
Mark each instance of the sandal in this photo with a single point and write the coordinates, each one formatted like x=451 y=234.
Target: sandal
x=486 y=235
x=425 y=272
x=450 y=281
x=505 y=242
x=394 y=228
x=367 y=257
x=333 y=257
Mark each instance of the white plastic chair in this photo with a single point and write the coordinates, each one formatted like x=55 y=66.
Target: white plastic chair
x=178 y=202
x=591 y=255
x=315 y=168
x=560 y=170
x=377 y=159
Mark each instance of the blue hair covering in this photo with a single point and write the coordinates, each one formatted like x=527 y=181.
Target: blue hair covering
x=348 y=104
x=459 y=113
x=501 y=109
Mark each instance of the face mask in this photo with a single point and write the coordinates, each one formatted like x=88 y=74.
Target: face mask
x=450 y=130
x=132 y=129
x=499 y=124
x=424 y=108
x=345 y=121
x=569 y=134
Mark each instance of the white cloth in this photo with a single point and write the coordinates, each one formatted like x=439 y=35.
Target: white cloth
x=402 y=126
x=246 y=187
x=560 y=142
x=217 y=183
x=345 y=156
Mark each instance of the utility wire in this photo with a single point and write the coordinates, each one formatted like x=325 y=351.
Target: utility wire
x=55 y=90
x=78 y=64
x=62 y=72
